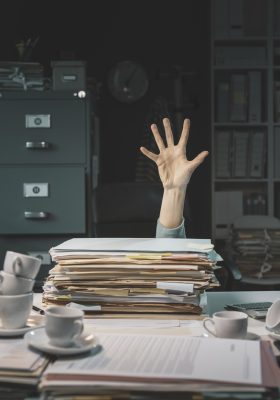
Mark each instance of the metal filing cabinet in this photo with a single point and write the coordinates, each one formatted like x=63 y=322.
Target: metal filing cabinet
x=45 y=175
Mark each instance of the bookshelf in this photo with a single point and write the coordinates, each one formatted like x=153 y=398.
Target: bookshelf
x=245 y=111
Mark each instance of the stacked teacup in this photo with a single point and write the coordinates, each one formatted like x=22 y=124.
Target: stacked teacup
x=16 y=289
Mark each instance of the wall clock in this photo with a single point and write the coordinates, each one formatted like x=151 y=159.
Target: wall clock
x=128 y=81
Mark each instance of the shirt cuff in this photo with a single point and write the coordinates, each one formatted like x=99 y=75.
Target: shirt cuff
x=178 y=232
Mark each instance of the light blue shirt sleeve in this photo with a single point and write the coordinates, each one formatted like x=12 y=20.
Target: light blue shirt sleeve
x=178 y=232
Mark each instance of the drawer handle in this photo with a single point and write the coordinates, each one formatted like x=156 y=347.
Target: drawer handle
x=36 y=215
x=37 y=145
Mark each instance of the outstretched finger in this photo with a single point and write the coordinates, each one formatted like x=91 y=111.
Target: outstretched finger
x=185 y=133
x=168 y=132
x=157 y=137
x=148 y=154
x=199 y=159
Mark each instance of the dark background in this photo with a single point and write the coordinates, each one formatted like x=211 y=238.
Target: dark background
x=161 y=36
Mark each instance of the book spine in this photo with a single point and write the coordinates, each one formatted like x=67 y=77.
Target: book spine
x=238 y=98
x=254 y=92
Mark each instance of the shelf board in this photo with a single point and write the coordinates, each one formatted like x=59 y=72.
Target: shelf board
x=247 y=39
x=240 y=180
x=239 y=67
x=240 y=124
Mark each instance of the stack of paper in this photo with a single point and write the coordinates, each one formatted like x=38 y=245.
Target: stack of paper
x=165 y=364
x=257 y=252
x=22 y=75
x=20 y=365
x=131 y=275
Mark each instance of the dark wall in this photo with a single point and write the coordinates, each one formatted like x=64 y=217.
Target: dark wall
x=159 y=35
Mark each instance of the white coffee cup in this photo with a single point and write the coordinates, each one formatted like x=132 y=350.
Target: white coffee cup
x=15 y=310
x=272 y=321
x=63 y=325
x=12 y=284
x=21 y=265
x=227 y=324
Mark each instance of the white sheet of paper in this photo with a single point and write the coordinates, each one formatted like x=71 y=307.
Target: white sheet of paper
x=146 y=245
x=14 y=355
x=184 y=287
x=168 y=356
x=133 y=323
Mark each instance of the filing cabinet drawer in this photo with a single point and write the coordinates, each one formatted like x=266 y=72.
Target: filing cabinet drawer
x=51 y=131
x=42 y=200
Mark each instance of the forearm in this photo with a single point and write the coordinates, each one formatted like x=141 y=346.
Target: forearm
x=172 y=207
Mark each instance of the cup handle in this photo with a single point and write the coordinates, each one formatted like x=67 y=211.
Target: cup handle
x=80 y=327
x=205 y=322
x=1 y=279
x=17 y=264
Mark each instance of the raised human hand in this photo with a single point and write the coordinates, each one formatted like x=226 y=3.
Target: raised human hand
x=175 y=170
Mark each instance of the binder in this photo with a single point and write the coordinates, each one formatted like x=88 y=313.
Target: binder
x=254 y=90
x=240 y=154
x=236 y=18
x=221 y=18
x=257 y=154
x=223 y=154
x=238 y=98
x=228 y=207
x=222 y=102
x=277 y=101
x=277 y=152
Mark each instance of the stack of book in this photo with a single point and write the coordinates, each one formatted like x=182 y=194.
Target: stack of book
x=131 y=275
x=257 y=252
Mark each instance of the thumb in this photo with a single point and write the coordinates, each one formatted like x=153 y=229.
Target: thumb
x=199 y=159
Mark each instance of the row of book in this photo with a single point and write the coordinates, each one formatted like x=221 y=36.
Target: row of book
x=240 y=154
x=131 y=275
x=239 y=98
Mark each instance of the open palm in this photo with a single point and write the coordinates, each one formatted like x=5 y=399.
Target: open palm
x=175 y=170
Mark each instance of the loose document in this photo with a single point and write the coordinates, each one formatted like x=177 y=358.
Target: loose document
x=136 y=358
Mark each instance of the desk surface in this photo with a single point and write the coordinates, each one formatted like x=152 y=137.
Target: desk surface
x=159 y=324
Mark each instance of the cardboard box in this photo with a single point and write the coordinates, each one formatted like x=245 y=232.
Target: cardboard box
x=69 y=75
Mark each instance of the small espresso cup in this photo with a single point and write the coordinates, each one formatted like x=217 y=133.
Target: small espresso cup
x=63 y=325
x=272 y=321
x=227 y=324
x=15 y=310
x=11 y=284
x=21 y=265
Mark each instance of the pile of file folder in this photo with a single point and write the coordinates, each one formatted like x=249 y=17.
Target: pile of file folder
x=256 y=252
x=22 y=76
x=116 y=275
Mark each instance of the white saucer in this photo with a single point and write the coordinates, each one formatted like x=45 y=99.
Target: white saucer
x=38 y=339
x=32 y=323
x=249 y=336
x=274 y=335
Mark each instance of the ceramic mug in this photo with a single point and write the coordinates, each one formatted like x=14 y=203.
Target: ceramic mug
x=272 y=321
x=227 y=324
x=21 y=265
x=15 y=310
x=12 y=284
x=63 y=325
